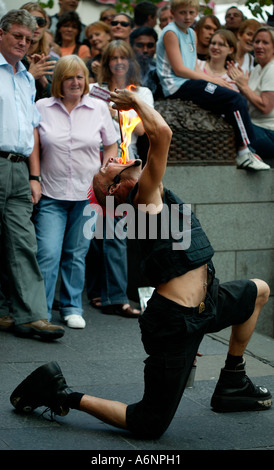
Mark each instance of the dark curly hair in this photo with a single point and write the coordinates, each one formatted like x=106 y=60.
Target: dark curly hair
x=71 y=18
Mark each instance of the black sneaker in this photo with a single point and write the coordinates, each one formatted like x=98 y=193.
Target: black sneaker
x=46 y=386
x=236 y=392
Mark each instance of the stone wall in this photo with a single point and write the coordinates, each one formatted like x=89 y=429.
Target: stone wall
x=235 y=208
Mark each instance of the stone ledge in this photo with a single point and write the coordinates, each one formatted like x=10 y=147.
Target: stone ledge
x=214 y=184
x=199 y=136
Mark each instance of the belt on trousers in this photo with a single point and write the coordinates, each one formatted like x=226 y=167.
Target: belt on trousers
x=13 y=157
x=201 y=305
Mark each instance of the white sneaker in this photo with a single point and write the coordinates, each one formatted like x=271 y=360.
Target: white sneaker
x=75 y=321
x=251 y=161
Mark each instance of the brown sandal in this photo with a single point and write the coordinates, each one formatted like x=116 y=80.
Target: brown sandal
x=119 y=310
x=96 y=302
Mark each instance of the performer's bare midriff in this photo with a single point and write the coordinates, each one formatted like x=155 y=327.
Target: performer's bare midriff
x=188 y=290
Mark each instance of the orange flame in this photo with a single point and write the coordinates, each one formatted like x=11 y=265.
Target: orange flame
x=127 y=126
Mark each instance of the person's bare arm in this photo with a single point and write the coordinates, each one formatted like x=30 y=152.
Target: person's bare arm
x=109 y=151
x=34 y=169
x=175 y=59
x=263 y=102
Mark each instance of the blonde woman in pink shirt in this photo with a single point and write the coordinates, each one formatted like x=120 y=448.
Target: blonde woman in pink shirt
x=72 y=129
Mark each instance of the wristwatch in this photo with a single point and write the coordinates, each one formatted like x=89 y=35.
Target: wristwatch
x=36 y=178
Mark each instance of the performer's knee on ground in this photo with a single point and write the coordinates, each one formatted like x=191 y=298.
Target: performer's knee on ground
x=263 y=291
x=145 y=424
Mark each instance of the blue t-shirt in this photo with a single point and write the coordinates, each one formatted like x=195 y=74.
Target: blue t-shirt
x=169 y=81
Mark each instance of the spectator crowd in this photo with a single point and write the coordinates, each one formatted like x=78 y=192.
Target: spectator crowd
x=54 y=136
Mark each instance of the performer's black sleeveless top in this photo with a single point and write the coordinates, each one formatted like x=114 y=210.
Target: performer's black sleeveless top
x=167 y=253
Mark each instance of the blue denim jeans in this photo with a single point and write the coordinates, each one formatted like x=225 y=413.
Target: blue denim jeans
x=109 y=255
x=61 y=244
x=263 y=143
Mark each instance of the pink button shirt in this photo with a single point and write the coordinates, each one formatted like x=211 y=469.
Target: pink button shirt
x=70 y=145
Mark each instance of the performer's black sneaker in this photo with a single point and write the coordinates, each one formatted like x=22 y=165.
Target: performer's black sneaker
x=46 y=386
x=236 y=392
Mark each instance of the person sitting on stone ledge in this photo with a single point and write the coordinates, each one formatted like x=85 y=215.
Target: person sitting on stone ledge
x=258 y=89
x=222 y=49
x=181 y=77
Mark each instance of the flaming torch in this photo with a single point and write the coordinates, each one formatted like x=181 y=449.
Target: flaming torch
x=127 y=126
x=127 y=123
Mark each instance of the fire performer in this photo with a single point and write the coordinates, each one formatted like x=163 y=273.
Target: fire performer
x=187 y=303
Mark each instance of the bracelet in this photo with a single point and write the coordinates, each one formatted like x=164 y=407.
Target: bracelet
x=36 y=178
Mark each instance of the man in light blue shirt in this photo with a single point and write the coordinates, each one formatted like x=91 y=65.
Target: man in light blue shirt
x=20 y=185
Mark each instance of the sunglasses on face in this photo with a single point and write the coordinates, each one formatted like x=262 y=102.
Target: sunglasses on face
x=40 y=21
x=122 y=23
x=117 y=178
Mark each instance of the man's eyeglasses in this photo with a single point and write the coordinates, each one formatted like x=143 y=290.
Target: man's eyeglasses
x=20 y=37
x=122 y=23
x=40 y=21
x=233 y=15
x=141 y=45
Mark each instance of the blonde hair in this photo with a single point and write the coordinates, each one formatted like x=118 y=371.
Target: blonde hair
x=267 y=29
x=110 y=11
x=42 y=47
x=252 y=24
x=66 y=67
x=177 y=3
x=98 y=25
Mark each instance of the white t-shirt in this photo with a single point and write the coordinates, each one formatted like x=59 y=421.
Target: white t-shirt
x=248 y=63
x=202 y=65
x=262 y=79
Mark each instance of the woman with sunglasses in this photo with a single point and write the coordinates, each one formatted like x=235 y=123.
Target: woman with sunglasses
x=107 y=15
x=39 y=61
x=121 y=26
